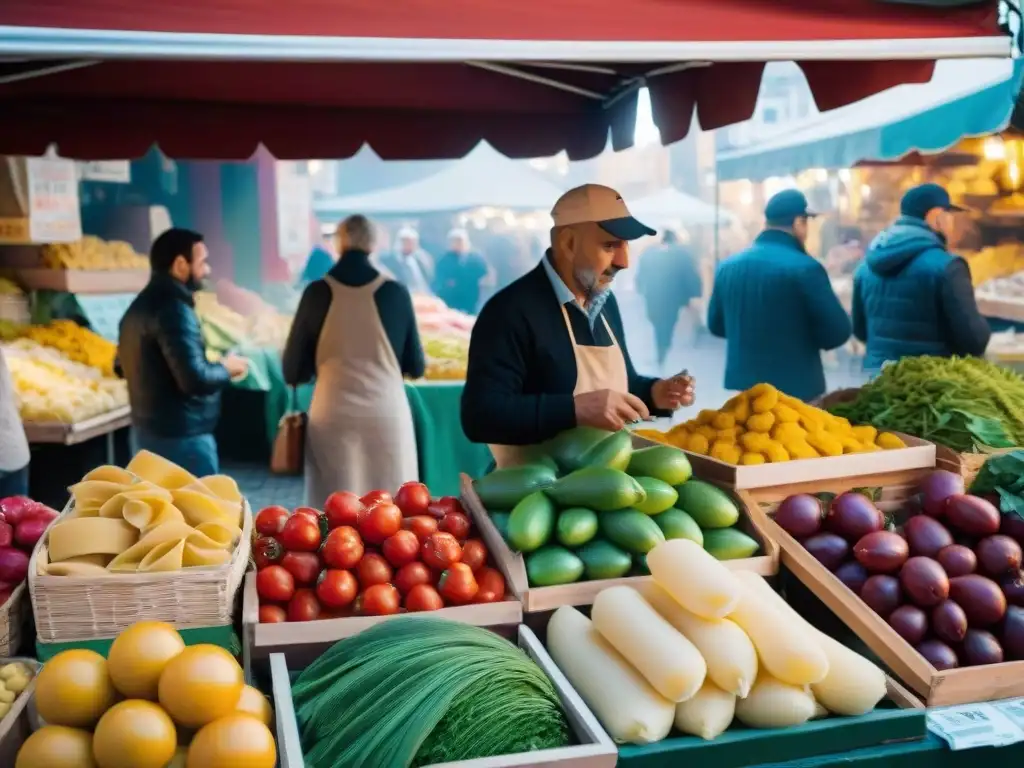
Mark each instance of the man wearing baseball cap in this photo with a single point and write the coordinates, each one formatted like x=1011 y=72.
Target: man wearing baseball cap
x=548 y=352
x=910 y=295
x=775 y=306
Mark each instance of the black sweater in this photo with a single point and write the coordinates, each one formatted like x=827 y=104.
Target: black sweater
x=522 y=370
x=394 y=304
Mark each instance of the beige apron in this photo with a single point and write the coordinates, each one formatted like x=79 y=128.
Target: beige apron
x=360 y=435
x=596 y=368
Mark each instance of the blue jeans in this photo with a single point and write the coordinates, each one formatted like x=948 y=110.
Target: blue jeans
x=14 y=483
x=197 y=455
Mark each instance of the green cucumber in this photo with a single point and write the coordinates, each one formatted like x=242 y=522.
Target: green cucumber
x=568 y=448
x=729 y=544
x=576 y=526
x=502 y=489
x=603 y=560
x=633 y=531
x=531 y=523
x=709 y=506
x=676 y=524
x=659 y=496
x=664 y=462
x=552 y=565
x=602 y=489
x=614 y=451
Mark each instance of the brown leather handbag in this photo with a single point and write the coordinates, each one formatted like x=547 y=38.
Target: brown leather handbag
x=288 y=453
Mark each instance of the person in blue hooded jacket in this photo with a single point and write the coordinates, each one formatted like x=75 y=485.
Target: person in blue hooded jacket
x=910 y=295
x=775 y=306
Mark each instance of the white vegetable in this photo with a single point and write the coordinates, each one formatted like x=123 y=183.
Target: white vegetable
x=697 y=581
x=785 y=648
x=774 y=704
x=659 y=652
x=853 y=685
x=728 y=652
x=628 y=707
x=819 y=711
x=708 y=713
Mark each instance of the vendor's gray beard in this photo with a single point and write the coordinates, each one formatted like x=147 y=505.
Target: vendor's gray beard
x=589 y=283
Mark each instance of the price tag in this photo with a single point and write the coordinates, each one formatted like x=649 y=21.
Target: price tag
x=53 y=200
x=966 y=726
x=1012 y=709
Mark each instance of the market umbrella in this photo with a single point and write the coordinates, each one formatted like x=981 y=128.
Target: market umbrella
x=319 y=78
x=671 y=205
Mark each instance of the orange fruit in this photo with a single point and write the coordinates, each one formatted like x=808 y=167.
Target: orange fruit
x=232 y=742
x=134 y=734
x=200 y=684
x=254 y=703
x=139 y=655
x=74 y=689
x=56 y=747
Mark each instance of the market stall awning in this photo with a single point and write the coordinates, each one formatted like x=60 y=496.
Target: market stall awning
x=668 y=206
x=484 y=177
x=964 y=98
x=416 y=79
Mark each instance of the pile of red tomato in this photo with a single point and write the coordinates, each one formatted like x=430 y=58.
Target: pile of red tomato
x=370 y=556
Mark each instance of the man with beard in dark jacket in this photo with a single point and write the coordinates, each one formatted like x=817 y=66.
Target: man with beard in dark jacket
x=173 y=389
x=910 y=295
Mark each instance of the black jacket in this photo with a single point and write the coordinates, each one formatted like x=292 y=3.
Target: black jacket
x=174 y=391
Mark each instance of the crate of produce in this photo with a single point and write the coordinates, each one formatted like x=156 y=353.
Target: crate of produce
x=324 y=575
x=710 y=667
x=763 y=438
x=145 y=542
x=533 y=703
x=16 y=721
x=927 y=576
x=561 y=535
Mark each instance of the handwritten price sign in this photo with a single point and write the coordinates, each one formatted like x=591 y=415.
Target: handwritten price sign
x=53 y=200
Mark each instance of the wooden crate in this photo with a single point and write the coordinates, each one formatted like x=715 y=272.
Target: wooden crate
x=594 y=749
x=72 y=434
x=313 y=637
x=12 y=621
x=82 y=281
x=918 y=453
x=938 y=688
x=536 y=599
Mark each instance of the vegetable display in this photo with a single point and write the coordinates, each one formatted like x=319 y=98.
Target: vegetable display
x=14 y=679
x=763 y=425
x=960 y=402
x=150 y=517
x=424 y=691
x=22 y=523
x=370 y=556
x=700 y=648
x=589 y=507
x=131 y=709
x=948 y=579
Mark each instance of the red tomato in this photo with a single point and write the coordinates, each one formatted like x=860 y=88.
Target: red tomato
x=457 y=524
x=380 y=522
x=444 y=506
x=474 y=554
x=274 y=584
x=272 y=614
x=373 y=498
x=342 y=508
x=410 y=575
x=373 y=569
x=336 y=588
x=303 y=566
x=458 y=584
x=401 y=548
x=270 y=520
x=421 y=525
x=378 y=600
x=303 y=606
x=492 y=586
x=413 y=499
x=310 y=512
x=423 y=597
x=441 y=550
x=300 y=534
x=343 y=548
x=266 y=550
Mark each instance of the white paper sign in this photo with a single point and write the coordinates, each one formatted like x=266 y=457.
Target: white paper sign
x=110 y=171
x=966 y=726
x=54 y=216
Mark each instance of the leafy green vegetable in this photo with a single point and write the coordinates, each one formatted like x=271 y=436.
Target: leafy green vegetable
x=1003 y=474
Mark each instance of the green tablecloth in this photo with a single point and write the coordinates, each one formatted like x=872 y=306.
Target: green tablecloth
x=443 y=449
x=930 y=753
x=224 y=636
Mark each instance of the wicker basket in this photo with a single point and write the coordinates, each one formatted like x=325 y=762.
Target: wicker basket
x=971 y=463
x=73 y=609
x=12 y=621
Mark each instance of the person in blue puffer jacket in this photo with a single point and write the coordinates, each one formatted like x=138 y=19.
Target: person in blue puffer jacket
x=910 y=295
x=775 y=306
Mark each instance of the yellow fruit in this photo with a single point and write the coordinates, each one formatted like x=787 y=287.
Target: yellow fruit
x=200 y=684
x=235 y=741
x=139 y=655
x=134 y=734
x=254 y=703
x=74 y=689
x=55 y=746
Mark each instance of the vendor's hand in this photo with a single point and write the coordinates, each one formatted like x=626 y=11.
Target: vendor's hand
x=605 y=409
x=670 y=394
x=236 y=365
